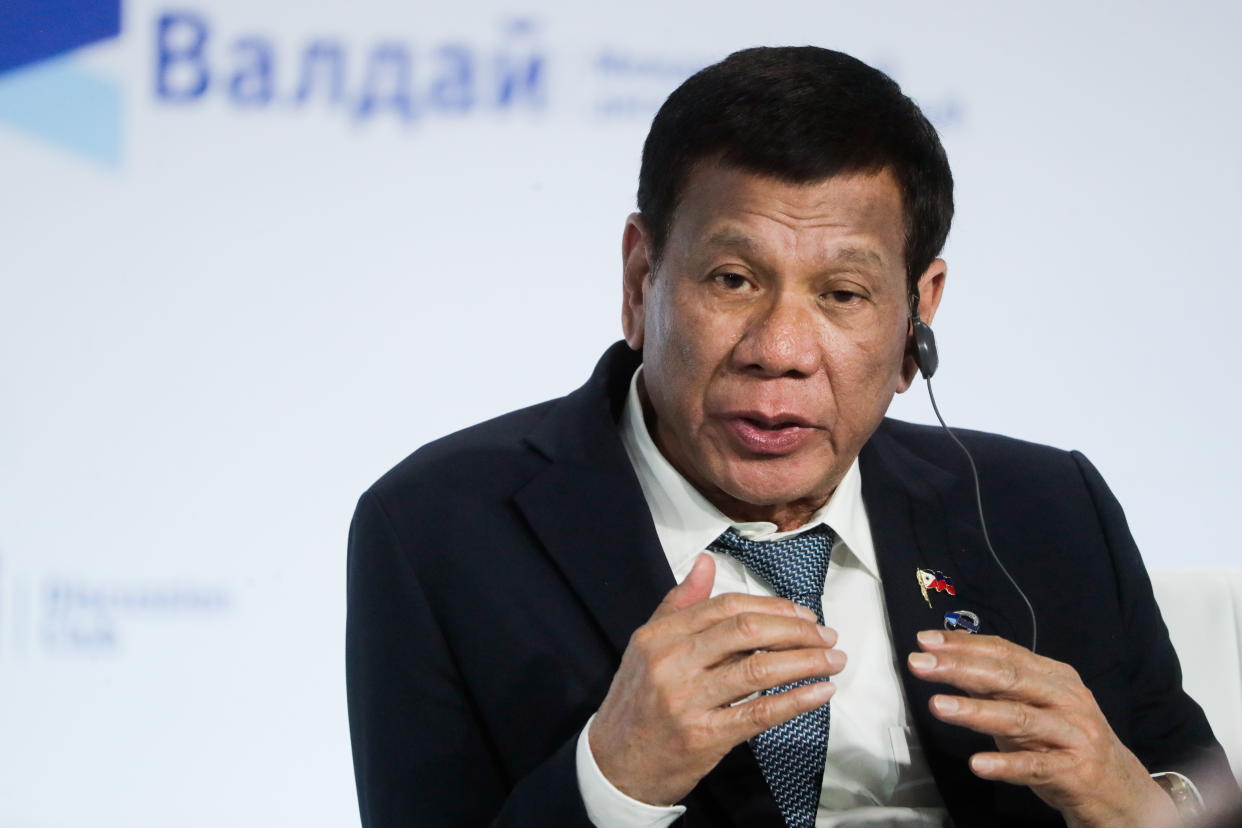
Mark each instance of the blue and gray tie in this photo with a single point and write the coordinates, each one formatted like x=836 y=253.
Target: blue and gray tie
x=791 y=755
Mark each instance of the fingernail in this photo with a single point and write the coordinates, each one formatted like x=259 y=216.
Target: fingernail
x=945 y=704
x=931 y=637
x=824 y=690
x=697 y=561
x=829 y=636
x=922 y=661
x=836 y=659
x=982 y=764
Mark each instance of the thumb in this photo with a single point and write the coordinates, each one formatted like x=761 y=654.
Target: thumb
x=697 y=586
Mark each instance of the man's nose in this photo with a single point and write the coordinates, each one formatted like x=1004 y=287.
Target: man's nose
x=781 y=340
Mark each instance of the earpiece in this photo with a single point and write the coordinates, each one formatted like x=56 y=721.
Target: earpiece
x=925 y=356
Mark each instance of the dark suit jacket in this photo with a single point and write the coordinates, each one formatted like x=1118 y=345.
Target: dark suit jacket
x=495 y=577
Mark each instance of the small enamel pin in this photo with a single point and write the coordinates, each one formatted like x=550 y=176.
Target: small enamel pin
x=933 y=579
x=961 y=620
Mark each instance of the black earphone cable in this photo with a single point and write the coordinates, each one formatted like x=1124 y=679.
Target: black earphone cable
x=983 y=524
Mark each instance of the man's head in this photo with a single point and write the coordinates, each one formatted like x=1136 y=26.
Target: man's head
x=798 y=114
x=790 y=201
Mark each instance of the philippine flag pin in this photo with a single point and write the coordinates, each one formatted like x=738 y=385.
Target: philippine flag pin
x=930 y=579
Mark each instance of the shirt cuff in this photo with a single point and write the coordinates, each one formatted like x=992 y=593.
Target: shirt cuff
x=608 y=807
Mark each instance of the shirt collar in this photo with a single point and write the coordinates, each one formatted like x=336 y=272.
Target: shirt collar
x=686 y=522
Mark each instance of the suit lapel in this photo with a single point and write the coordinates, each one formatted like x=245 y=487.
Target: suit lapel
x=587 y=507
x=923 y=517
x=596 y=526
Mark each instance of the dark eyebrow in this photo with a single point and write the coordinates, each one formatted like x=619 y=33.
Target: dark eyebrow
x=850 y=256
x=859 y=256
x=732 y=240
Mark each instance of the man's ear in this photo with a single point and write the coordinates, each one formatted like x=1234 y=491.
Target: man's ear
x=931 y=288
x=635 y=278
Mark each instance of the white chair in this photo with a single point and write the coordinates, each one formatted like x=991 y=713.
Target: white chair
x=1203 y=611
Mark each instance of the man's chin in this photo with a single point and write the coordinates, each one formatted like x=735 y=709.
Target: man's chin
x=773 y=490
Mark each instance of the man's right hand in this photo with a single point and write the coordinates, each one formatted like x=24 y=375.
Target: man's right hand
x=668 y=720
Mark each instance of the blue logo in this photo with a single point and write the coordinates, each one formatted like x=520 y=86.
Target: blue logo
x=502 y=75
x=42 y=92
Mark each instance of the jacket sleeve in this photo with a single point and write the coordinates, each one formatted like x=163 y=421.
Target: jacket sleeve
x=1168 y=730
x=421 y=754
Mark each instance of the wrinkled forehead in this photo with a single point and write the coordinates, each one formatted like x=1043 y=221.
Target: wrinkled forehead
x=703 y=170
x=851 y=220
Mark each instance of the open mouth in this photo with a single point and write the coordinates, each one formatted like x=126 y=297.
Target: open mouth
x=773 y=426
x=771 y=436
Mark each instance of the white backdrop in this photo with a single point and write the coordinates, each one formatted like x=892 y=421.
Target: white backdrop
x=224 y=314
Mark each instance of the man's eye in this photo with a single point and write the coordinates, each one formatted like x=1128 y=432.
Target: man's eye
x=731 y=281
x=843 y=297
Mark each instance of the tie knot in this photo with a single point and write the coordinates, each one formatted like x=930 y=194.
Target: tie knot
x=794 y=566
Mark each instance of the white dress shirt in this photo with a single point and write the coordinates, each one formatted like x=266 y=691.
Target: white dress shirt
x=874 y=771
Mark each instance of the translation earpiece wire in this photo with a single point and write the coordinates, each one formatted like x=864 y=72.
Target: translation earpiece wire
x=983 y=524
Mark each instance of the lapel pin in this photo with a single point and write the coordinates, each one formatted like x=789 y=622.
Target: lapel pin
x=933 y=579
x=961 y=620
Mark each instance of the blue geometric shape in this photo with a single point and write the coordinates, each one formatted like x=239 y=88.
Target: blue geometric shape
x=32 y=30
x=962 y=620
x=63 y=105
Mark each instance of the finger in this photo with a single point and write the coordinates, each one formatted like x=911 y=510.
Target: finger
x=695 y=587
x=698 y=617
x=992 y=646
x=1027 y=726
x=763 y=671
x=746 y=632
x=742 y=721
x=983 y=675
x=1025 y=767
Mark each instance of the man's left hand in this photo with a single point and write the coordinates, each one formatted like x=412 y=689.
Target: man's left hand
x=1050 y=733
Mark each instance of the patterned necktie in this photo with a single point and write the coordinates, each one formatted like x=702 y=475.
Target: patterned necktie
x=791 y=754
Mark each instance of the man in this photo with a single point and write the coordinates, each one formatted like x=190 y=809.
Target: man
x=621 y=607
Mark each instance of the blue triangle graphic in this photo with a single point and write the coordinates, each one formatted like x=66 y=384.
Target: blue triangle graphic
x=59 y=103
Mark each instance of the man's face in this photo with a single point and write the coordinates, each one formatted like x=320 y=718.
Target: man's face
x=774 y=332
